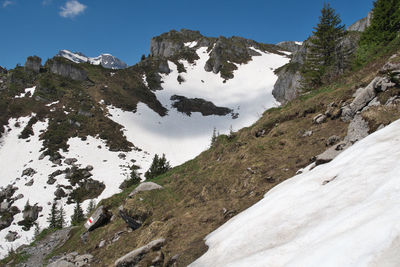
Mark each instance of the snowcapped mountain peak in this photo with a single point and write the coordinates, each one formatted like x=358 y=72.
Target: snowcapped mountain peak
x=106 y=60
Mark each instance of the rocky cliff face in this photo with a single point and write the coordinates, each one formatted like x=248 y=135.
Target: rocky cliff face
x=224 y=52
x=291 y=46
x=361 y=24
x=33 y=63
x=66 y=69
x=288 y=84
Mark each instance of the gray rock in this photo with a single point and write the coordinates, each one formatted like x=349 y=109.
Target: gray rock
x=70 y=161
x=146 y=186
x=89 y=168
x=4 y=206
x=307 y=133
x=102 y=243
x=134 y=222
x=287 y=85
x=5 y=221
x=19 y=196
x=98 y=218
x=28 y=172
x=33 y=63
x=12 y=236
x=357 y=130
x=30 y=183
x=320 y=118
x=66 y=69
x=332 y=140
x=362 y=24
x=290 y=46
x=331 y=153
x=31 y=213
x=60 y=193
x=61 y=263
x=134 y=257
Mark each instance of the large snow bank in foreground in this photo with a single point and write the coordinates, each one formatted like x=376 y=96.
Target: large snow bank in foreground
x=344 y=213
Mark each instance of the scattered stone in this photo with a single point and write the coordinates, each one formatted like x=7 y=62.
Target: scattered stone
x=260 y=133
x=380 y=127
x=358 y=129
x=117 y=236
x=30 y=183
x=134 y=257
x=60 y=193
x=72 y=260
x=135 y=221
x=28 y=172
x=4 y=206
x=70 y=161
x=89 y=168
x=12 y=236
x=172 y=260
x=307 y=133
x=51 y=181
x=5 y=221
x=320 y=118
x=102 y=243
x=250 y=170
x=122 y=155
x=158 y=260
x=19 y=196
x=332 y=140
x=146 y=186
x=99 y=217
x=31 y=213
x=86 y=173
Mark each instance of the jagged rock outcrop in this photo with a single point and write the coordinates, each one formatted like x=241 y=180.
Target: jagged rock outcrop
x=223 y=52
x=362 y=24
x=291 y=46
x=99 y=217
x=288 y=85
x=189 y=105
x=66 y=69
x=172 y=42
x=33 y=63
x=134 y=257
x=146 y=186
x=3 y=70
x=72 y=259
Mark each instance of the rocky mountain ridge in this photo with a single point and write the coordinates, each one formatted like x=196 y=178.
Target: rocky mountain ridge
x=74 y=131
x=106 y=60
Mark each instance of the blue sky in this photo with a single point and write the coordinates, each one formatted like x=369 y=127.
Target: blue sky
x=124 y=27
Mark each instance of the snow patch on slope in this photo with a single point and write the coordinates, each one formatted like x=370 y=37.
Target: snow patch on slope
x=183 y=137
x=344 y=213
x=31 y=91
x=19 y=154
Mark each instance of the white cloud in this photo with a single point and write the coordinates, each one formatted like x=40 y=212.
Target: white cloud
x=72 y=8
x=6 y=3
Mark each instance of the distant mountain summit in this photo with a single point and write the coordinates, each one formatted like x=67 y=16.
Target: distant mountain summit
x=106 y=60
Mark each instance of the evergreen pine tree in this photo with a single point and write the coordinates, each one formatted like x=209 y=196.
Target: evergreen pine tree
x=158 y=167
x=323 y=53
x=385 y=27
x=91 y=207
x=143 y=57
x=78 y=216
x=214 y=137
x=53 y=216
x=60 y=221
